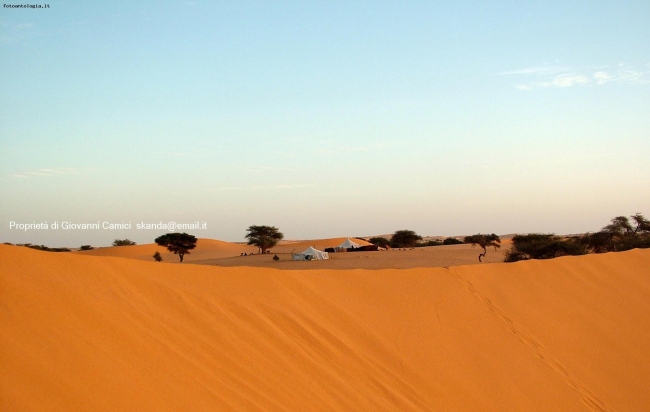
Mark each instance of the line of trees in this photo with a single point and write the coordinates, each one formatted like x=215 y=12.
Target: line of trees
x=42 y=247
x=543 y=246
x=408 y=238
x=621 y=234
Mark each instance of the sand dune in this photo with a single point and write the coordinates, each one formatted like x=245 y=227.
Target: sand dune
x=209 y=249
x=107 y=334
x=205 y=249
x=432 y=256
x=221 y=253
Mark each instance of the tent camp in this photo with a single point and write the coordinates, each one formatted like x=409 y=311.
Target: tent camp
x=347 y=245
x=310 y=254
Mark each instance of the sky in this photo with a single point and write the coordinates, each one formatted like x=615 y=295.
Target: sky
x=322 y=118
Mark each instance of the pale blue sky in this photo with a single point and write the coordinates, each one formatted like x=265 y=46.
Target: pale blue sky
x=323 y=118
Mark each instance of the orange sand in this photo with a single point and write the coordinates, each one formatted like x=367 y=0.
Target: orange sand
x=207 y=249
x=220 y=253
x=432 y=256
x=108 y=334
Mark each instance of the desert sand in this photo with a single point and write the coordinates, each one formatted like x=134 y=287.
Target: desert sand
x=431 y=256
x=207 y=249
x=220 y=253
x=101 y=333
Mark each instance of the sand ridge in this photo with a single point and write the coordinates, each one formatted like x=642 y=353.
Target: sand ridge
x=221 y=253
x=207 y=249
x=405 y=258
x=103 y=333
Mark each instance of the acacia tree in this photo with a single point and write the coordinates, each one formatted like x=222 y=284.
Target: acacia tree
x=178 y=243
x=622 y=227
x=642 y=224
x=484 y=241
x=620 y=234
x=404 y=238
x=264 y=237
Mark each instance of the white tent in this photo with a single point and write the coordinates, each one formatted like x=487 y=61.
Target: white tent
x=348 y=244
x=311 y=254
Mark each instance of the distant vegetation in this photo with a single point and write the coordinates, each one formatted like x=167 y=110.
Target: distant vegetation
x=621 y=234
x=264 y=237
x=484 y=241
x=452 y=241
x=409 y=235
x=543 y=246
x=44 y=248
x=379 y=241
x=431 y=242
x=404 y=238
x=123 y=242
x=177 y=243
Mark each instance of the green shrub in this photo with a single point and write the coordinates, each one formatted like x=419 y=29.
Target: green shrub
x=379 y=241
x=404 y=238
x=123 y=242
x=452 y=241
x=543 y=246
x=45 y=248
x=431 y=242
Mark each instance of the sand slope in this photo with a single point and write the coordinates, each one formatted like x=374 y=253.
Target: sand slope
x=205 y=249
x=430 y=256
x=107 y=334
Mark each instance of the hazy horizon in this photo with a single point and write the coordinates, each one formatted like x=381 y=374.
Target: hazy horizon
x=323 y=119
